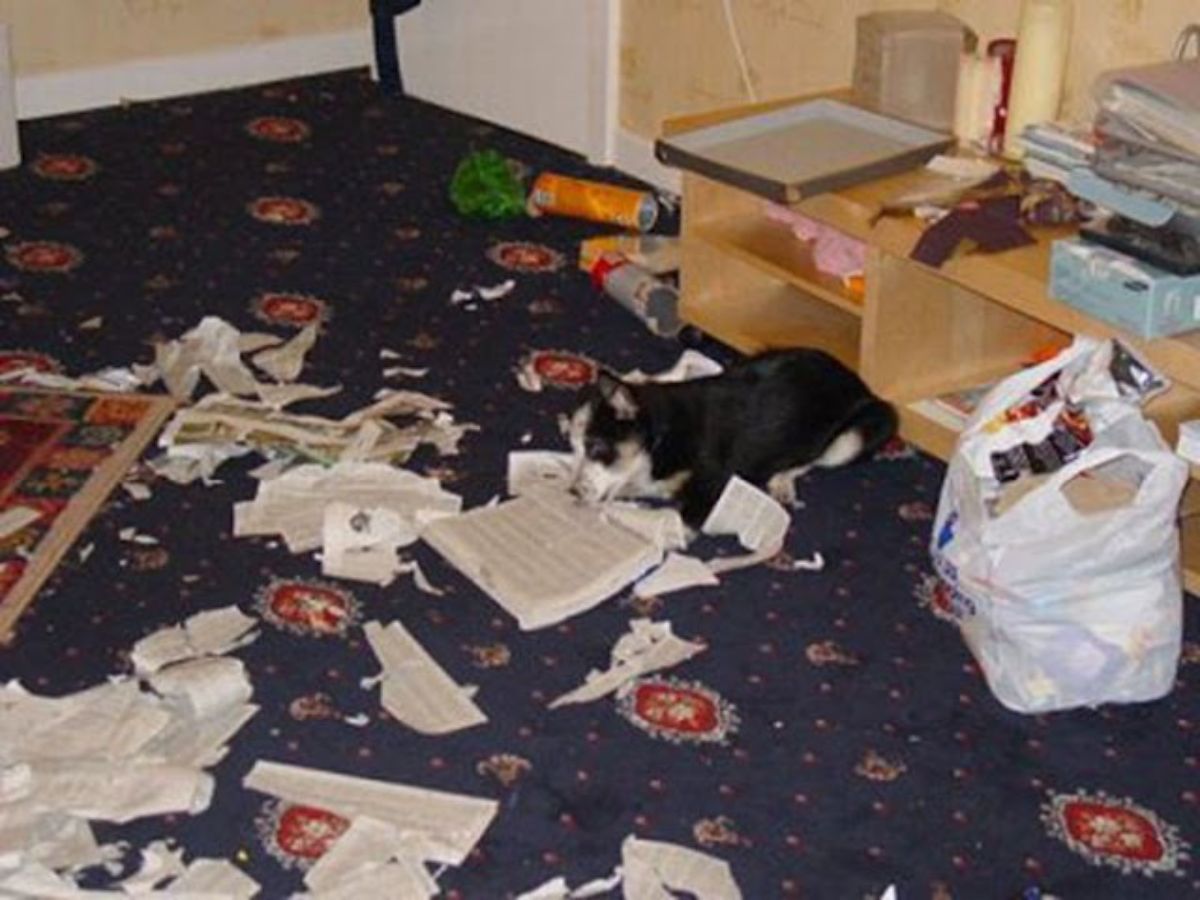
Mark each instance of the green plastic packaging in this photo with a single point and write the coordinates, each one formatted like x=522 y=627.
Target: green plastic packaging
x=485 y=186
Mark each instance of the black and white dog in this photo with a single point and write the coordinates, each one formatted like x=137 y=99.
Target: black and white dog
x=768 y=419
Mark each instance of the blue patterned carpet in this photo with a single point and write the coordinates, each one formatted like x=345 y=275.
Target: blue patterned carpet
x=861 y=746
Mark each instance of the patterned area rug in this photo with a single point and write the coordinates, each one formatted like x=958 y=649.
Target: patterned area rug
x=61 y=454
x=836 y=736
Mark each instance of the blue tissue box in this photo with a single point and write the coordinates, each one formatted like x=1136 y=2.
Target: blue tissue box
x=1124 y=291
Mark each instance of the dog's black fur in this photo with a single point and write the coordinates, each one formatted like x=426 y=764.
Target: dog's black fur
x=763 y=416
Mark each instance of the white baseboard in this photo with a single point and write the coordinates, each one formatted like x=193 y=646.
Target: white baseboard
x=635 y=156
x=174 y=76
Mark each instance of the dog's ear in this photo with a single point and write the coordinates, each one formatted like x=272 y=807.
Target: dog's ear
x=617 y=394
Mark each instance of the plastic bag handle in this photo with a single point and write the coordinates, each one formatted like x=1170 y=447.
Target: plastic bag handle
x=1094 y=458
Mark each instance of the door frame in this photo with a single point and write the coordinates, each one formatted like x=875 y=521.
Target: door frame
x=604 y=25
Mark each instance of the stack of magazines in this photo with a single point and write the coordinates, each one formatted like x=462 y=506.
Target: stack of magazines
x=1149 y=129
x=1053 y=151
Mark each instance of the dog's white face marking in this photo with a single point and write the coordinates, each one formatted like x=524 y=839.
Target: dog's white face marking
x=626 y=476
x=596 y=481
x=575 y=429
x=626 y=466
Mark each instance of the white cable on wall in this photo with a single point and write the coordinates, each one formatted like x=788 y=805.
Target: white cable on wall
x=739 y=51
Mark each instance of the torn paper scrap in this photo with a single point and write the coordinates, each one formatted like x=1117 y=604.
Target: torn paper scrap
x=253 y=341
x=815 y=563
x=210 y=349
x=54 y=840
x=247 y=426
x=661 y=526
x=554 y=889
x=107 y=721
x=369 y=434
x=369 y=843
x=220 y=421
x=130 y=535
x=360 y=543
x=214 y=878
x=16 y=518
x=199 y=742
x=415 y=689
x=646 y=647
x=483 y=292
x=136 y=491
x=652 y=868
x=272 y=468
x=115 y=752
x=759 y=522
x=443 y=432
x=115 y=791
x=402 y=880
x=118 y=379
x=184 y=464
x=209 y=633
x=691 y=364
x=495 y=292
x=539 y=467
x=204 y=687
x=285 y=362
x=445 y=826
x=293 y=504
x=421 y=580
x=108 y=380
x=277 y=396
x=397 y=403
x=558 y=889
x=543 y=556
x=160 y=862
x=404 y=372
x=678 y=571
x=37 y=882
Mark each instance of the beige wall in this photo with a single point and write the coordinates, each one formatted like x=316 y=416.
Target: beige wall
x=676 y=55
x=57 y=35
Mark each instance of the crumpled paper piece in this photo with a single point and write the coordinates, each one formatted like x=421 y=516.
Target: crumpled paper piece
x=646 y=647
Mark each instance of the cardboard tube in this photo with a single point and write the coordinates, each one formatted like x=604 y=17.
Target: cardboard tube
x=1038 y=71
x=592 y=200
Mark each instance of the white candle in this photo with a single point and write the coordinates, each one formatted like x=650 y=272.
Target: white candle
x=1038 y=69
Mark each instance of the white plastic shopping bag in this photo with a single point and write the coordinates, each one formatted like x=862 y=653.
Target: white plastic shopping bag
x=1056 y=531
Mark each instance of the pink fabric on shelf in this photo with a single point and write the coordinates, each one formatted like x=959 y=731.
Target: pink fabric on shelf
x=833 y=252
